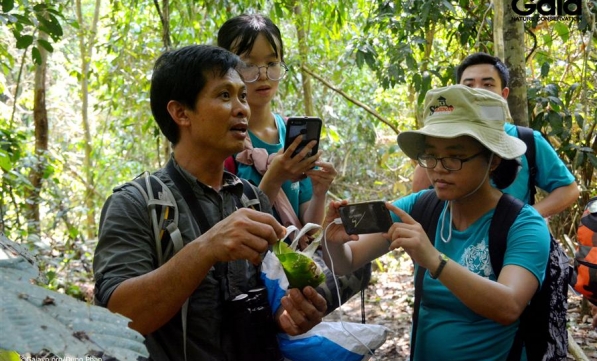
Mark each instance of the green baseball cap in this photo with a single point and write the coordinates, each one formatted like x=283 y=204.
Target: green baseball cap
x=458 y=110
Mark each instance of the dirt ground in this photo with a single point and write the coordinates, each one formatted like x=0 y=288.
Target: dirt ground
x=388 y=301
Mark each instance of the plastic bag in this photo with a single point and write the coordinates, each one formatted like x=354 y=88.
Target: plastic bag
x=326 y=341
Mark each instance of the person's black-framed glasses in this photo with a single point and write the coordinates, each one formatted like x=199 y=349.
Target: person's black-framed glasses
x=274 y=71
x=449 y=163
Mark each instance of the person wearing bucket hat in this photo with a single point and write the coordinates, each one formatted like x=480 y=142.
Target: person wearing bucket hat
x=548 y=172
x=467 y=312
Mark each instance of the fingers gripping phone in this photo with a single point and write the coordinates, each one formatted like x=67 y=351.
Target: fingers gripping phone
x=308 y=127
x=365 y=217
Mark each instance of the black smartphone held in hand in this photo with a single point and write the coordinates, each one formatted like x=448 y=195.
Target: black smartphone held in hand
x=366 y=217
x=308 y=127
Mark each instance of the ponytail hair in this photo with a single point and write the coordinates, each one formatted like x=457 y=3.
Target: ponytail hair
x=506 y=172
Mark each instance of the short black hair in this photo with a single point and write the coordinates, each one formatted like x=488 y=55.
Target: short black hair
x=238 y=34
x=484 y=58
x=180 y=75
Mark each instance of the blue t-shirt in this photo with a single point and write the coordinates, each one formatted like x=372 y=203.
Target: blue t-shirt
x=551 y=171
x=449 y=330
x=297 y=192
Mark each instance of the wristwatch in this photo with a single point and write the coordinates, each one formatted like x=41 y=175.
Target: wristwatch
x=443 y=259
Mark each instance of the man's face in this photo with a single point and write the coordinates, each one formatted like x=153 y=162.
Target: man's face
x=483 y=76
x=220 y=119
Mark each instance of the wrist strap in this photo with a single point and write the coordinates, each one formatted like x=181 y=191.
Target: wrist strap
x=443 y=259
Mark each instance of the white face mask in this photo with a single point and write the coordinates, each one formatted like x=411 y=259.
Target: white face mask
x=449 y=204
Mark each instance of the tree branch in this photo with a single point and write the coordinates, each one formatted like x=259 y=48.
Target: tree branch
x=352 y=100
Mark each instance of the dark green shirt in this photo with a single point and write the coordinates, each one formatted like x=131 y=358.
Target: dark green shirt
x=126 y=249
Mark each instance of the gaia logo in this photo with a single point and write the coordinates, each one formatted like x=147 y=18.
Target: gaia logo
x=548 y=7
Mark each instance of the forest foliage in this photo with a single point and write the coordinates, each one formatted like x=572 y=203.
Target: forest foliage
x=362 y=66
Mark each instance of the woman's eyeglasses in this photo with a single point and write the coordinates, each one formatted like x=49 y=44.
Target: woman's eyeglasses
x=450 y=163
x=274 y=71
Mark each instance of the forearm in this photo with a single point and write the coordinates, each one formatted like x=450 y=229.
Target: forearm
x=313 y=211
x=493 y=300
x=341 y=256
x=152 y=299
x=271 y=185
x=558 y=200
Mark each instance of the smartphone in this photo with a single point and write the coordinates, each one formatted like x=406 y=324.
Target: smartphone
x=308 y=127
x=366 y=217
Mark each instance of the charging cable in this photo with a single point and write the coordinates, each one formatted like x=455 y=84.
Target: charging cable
x=339 y=221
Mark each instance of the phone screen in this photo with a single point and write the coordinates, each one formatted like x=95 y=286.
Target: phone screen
x=366 y=217
x=308 y=127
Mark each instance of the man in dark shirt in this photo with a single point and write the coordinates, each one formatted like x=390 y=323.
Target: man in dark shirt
x=198 y=99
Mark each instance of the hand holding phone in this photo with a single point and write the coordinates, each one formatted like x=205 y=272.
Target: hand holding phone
x=308 y=127
x=365 y=217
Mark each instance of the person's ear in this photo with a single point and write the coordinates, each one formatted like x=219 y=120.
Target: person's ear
x=495 y=162
x=178 y=112
x=505 y=92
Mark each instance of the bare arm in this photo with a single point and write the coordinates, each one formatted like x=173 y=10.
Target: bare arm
x=558 y=200
x=152 y=299
x=502 y=301
x=284 y=167
x=322 y=177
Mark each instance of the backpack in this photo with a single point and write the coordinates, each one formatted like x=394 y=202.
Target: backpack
x=163 y=213
x=542 y=329
x=585 y=258
x=163 y=210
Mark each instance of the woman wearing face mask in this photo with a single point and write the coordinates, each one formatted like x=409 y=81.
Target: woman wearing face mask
x=297 y=186
x=466 y=313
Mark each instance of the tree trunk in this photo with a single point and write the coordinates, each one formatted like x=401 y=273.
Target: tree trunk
x=303 y=54
x=40 y=118
x=86 y=43
x=498 y=28
x=164 y=14
x=514 y=56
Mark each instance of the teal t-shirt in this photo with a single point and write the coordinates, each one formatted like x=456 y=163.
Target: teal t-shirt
x=449 y=330
x=297 y=192
x=551 y=171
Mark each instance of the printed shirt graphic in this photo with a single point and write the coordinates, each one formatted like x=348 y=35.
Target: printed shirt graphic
x=449 y=330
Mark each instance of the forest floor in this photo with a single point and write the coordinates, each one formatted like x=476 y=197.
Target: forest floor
x=388 y=302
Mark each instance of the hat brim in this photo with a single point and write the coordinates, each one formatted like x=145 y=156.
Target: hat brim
x=412 y=142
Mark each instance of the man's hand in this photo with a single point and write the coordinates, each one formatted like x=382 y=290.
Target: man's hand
x=245 y=234
x=300 y=311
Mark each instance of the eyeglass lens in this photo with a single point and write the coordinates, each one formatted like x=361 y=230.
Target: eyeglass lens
x=592 y=206
x=273 y=71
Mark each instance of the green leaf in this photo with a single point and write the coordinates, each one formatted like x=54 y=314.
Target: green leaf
x=562 y=30
x=46 y=45
x=36 y=55
x=24 y=41
x=7 y=5
x=545 y=69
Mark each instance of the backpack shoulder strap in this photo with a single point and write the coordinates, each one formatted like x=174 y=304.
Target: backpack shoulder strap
x=249 y=199
x=426 y=211
x=163 y=213
x=505 y=214
x=526 y=135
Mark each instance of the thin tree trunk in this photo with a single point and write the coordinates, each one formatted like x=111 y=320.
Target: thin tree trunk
x=303 y=54
x=514 y=56
x=164 y=13
x=86 y=44
x=40 y=118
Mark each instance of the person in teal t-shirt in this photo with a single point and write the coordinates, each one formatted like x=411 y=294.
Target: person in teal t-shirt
x=466 y=313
